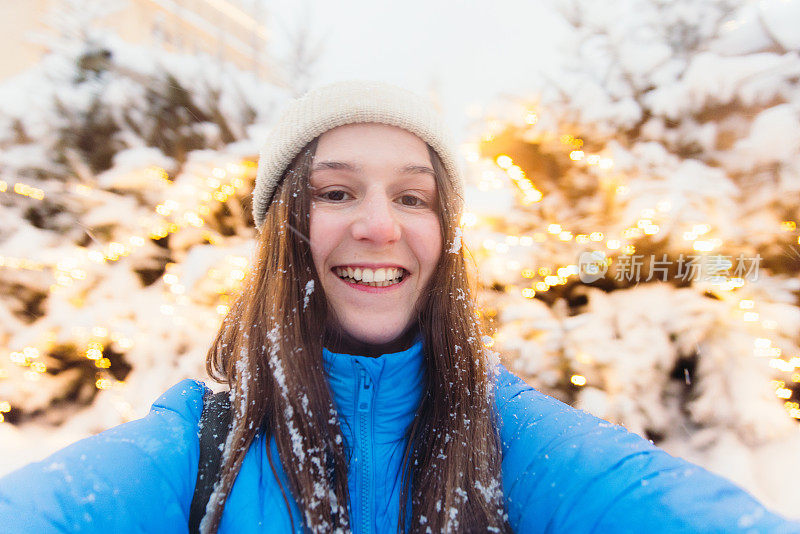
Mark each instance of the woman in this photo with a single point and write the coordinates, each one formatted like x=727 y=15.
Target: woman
x=362 y=396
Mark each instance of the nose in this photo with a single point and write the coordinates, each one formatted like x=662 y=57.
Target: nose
x=376 y=222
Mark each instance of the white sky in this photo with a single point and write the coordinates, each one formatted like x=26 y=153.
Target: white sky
x=465 y=52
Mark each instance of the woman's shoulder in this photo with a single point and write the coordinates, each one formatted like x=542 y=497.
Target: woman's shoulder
x=572 y=471
x=184 y=399
x=174 y=416
x=512 y=393
x=529 y=419
x=168 y=435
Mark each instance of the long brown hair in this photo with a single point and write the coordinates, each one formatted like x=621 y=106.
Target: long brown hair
x=269 y=352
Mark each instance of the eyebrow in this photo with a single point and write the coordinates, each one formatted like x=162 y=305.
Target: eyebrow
x=347 y=166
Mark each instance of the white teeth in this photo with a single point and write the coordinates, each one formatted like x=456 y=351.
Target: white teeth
x=378 y=278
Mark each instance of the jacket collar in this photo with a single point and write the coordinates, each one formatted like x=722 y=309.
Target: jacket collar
x=397 y=381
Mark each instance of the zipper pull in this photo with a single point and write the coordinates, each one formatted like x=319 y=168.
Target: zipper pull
x=364 y=391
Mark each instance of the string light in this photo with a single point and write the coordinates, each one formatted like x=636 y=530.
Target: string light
x=5 y=407
x=647 y=225
x=578 y=380
x=703 y=246
x=71 y=269
x=103 y=383
x=764 y=347
x=22 y=189
x=571 y=141
x=517 y=175
x=21 y=264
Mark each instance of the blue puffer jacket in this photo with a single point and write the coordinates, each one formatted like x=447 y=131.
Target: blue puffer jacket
x=563 y=470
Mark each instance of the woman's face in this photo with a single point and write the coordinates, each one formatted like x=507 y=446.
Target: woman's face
x=375 y=233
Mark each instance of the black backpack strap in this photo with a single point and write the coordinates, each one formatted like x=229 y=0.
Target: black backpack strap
x=214 y=427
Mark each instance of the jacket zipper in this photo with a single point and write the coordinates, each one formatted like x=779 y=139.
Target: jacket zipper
x=365 y=446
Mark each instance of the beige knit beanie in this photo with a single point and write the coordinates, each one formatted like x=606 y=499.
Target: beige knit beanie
x=346 y=103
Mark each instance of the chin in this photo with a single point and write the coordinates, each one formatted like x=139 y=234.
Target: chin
x=375 y=336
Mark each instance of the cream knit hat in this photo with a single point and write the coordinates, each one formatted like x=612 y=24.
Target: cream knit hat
x=345 y=103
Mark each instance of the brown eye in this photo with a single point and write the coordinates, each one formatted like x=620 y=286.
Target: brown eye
x=337 y=195
x=412 y=201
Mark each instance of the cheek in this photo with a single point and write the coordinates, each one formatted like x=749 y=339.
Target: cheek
x=427 y=242
x=326 y=232
x=319 y=237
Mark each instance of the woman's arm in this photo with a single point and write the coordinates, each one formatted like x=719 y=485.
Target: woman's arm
x=135 y=477
x=567 y=471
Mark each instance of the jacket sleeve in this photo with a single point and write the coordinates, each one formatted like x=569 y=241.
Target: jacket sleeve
x=567 y=471
x=136 y=477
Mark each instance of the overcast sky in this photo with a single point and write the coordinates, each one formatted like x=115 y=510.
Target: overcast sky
x=465 y=52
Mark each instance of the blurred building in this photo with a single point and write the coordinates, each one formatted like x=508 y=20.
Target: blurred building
x=234 y=31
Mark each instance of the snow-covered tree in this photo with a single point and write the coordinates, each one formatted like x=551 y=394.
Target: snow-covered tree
x=125 y=175
x=637 y=228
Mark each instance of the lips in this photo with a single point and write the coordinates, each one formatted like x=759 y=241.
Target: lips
x=371 y=277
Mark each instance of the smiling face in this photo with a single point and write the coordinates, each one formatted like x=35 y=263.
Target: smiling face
x=374 y=227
